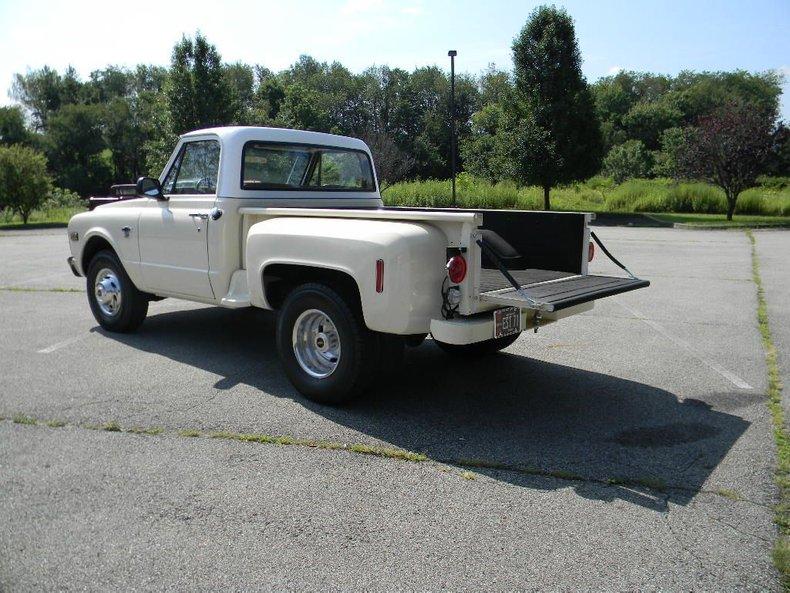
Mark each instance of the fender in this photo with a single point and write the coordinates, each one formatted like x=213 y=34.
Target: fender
x=412 y=254
x=128 y=253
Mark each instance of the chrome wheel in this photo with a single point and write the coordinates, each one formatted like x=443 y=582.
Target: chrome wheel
x=316 y=343
x=107 y=291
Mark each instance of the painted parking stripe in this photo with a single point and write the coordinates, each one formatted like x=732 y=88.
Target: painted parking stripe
x=36 y=278
x=63 y=344
x=731 y=377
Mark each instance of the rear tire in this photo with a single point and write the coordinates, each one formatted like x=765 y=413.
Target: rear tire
x=476 y=349
x=327 y=352
x=114 y=300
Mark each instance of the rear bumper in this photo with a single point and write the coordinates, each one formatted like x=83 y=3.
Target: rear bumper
x=469 y=330
x=73 y=265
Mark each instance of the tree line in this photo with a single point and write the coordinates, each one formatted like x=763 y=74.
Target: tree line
x=541 y=124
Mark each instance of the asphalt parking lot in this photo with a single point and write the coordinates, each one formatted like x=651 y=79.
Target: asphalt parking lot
x=628 y=448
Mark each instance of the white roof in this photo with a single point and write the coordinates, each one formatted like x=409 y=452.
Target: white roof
x=240 y=134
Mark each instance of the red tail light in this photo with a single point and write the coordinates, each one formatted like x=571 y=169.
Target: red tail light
x=456 y=269
x=379 y=275
x=590 y=251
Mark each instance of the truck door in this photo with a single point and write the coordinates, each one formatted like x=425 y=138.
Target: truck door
x=173 y=244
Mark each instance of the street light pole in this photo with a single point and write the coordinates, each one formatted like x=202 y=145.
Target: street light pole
x=452 y=53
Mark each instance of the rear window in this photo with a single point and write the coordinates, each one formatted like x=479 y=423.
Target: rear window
x=305 y=167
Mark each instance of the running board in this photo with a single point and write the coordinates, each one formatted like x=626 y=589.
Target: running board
x=556 y=295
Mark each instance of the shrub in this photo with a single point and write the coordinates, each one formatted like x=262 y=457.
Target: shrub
x=62 y=198
x=758 y=200
x=773 y=182
x=627 y=160
x=24 y=182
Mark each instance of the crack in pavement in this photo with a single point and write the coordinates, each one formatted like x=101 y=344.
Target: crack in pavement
x=661 y=491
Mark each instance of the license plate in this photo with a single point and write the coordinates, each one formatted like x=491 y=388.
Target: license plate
x=507 y=322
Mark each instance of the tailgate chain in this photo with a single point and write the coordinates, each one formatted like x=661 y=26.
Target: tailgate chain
x=537 y=305
x=615 y=261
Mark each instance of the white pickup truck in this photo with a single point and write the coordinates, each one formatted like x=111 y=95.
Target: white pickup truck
x=293 y=221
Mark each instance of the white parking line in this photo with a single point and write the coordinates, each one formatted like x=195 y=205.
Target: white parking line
x=35 y=278
x=731 y=377
x=63 y=344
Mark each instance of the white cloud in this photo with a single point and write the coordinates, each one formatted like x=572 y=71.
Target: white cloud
x=614 y=70
x=412 y=10
x=355 y=7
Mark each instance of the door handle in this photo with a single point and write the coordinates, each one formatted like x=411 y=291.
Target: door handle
x=200 y=215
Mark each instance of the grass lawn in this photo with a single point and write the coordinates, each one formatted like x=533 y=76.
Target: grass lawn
x=40 y=218
x=720 y=220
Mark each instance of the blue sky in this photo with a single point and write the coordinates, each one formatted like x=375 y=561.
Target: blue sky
x=665 y=37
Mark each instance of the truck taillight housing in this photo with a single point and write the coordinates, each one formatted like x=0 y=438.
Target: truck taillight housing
x=590 y=251
x=456 y=269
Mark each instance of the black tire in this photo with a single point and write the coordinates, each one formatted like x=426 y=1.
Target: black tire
x=359 y=347
x=133 y=305
x=476 y=349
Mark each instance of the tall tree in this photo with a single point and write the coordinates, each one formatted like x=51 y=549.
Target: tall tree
x=729 y=148
x=43 y=92
x=241 y=79
x=392 y=164
x=75 y=148
x=12 y=126
x=561 y=138
x=198 y=92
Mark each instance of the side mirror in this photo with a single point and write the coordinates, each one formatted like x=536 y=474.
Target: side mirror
x=148 y=187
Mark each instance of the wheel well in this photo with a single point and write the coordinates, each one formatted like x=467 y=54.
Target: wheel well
x=280 y=279
x=92 y=247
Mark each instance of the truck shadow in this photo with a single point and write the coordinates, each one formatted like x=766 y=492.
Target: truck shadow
x=526 y=422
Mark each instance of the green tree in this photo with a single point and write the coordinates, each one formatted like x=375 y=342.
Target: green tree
x=699 y=94
x=12 y=126
x=42 y=92
x=302 y=109
x=24 y=181
x=107 y=84
x=75 y=147
x=495 y=85
x=645 y=121
x=486 y=151
x=269 y=98
x=241 y=80
x=779 y=157
x=627 y=160
x=673 y=142
x=198 y=92
x=559 y=138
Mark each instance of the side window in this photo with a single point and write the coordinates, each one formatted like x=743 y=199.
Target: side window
x=170 y=179
x=195 y=169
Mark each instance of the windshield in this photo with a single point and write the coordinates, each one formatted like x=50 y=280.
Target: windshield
x=312 y=168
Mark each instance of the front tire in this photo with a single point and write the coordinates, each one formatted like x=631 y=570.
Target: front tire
x=326 y=350
x=476 y=349
x=114 y=300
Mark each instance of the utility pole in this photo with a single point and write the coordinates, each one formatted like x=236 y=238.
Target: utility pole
x=452 y=53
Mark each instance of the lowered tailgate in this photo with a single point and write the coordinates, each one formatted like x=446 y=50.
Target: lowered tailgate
x=561 y=293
